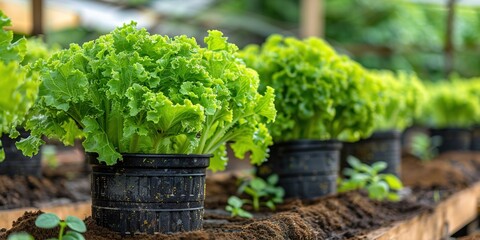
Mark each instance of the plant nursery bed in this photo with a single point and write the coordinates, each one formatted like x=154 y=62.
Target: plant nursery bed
x=441 y=196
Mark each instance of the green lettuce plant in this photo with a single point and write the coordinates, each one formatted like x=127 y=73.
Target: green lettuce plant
x=450 y=104
x=319 y=94
x=132 y=92
x=402 y=97
x=18 y=85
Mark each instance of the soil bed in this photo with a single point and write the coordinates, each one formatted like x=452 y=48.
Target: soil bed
x=342 y=216
x=65 y=184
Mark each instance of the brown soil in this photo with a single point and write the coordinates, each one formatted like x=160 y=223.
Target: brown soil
x=455 y=170
x=471 y=237
x=54 y=188
x=335 y=217
x=342 y=216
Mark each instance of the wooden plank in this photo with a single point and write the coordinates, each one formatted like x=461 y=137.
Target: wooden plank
x=448 y=217
x=81 y=210
x=54 y=18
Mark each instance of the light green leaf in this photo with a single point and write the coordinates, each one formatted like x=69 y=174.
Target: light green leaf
x=47 y=220
x=76 y=224
x=393 y=182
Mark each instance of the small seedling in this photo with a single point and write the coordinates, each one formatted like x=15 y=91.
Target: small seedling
x=76 y=225
x=363 y=176
x=424 y=146
x=263 y=192
x=20 y=236
x=235 y=207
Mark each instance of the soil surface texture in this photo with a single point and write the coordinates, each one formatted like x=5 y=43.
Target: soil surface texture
x=64 y=184
x=341 y=216
x=28 y=191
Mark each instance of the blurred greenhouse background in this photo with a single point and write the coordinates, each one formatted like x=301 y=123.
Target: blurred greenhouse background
x=392 y=34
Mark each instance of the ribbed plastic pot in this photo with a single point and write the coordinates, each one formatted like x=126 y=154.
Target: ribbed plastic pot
x=475 y=144
x=380 y=146
x=17 y=164
x=148 y=193
x=306 y=168
x=453 y=139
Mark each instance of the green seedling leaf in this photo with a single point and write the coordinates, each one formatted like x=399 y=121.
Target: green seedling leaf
x=258 y=184
x=76 y=224
x=47 y=220
x=393 y=182
x=272 y=179
x=360 y=177
x=235 y=202
x=69 y=237
x=379 y=166
x=244 y=214
x=348 y=172
x=20 y=236
x=271 y=205
x=74 y=235
x=377 y=190
x=394 y=197
x=354 y=162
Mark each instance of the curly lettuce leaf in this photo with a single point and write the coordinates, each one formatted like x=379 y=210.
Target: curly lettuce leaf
x=132 y=92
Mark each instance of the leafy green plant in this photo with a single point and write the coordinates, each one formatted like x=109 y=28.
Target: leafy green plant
x=425 y=147
x=132 y=92
x=263 y=192
x=235 y=207
x=451 y=104
x=20 y=236
x=18 y=85
x=362 y=176
x=50 y=220
x=402 y=97
x=319 y=94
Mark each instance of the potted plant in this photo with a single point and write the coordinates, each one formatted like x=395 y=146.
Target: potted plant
x=450 y=111
x=321 y=98
x=18 y=87
x=402 y=96
x=152 y=110
x=474 y=89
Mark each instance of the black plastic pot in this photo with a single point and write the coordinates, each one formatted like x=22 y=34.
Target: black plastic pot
x=17 y=164
x=307 y=168
x=475 y=144
x=149 y=193
x=453 y=139
x=381 y=146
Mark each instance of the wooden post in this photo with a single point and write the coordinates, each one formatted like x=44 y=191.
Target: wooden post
x=37 y=13
x=449 y=49
x=312 y=18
